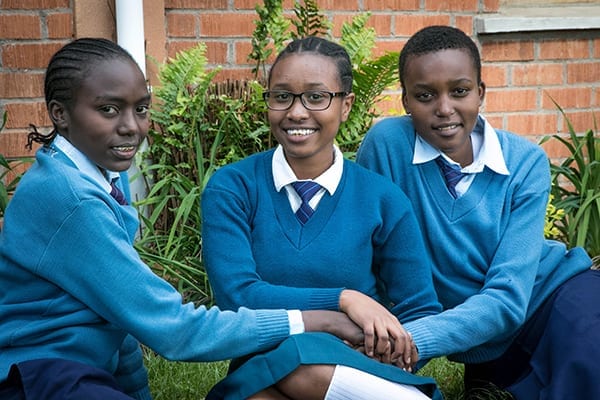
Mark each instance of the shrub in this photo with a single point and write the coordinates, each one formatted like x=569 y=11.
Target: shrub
x=576 y=189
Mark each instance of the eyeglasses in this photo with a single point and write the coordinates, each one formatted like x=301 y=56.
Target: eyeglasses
x=313 y=100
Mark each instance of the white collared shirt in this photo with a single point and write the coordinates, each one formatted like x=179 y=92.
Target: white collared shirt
x=84 y=164
x=284 y=176
x=486 y=152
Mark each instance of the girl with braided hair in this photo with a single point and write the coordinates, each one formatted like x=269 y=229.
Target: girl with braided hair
x=75 y=298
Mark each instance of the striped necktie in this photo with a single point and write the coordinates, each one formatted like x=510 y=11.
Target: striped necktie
x=451 y=175
x=117 y=194
x=306 y=190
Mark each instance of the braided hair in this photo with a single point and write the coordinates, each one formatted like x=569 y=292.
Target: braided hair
x=437 y=38
x=67 y=70
x=323 y=47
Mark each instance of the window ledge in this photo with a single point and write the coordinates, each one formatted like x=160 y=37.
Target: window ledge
x=539 y=19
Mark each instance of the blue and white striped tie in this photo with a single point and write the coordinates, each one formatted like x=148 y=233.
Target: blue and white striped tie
x=306 y=190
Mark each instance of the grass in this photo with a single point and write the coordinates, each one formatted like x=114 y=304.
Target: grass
x=171 y=380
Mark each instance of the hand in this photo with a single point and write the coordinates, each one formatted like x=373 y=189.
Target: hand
x=333 y=322
x=385 y=338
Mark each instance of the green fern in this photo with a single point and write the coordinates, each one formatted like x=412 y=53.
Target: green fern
x=309 y=20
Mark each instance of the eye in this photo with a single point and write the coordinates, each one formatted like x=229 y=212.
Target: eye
x=142 y=109
x=424 y=96
x=109 y=110
x=281 y=97
x=461 y=92
x=315 y=97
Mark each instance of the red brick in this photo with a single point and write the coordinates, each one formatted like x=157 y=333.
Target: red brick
x=346 y=5
x=196 y=4
x=583 y=72
x=564 y=49
x=21 y=85
x=567 y=97
x=597 y=48
x=490 y=6
x=242 y=51
x=216 y=53
x=28 y=55
x=384 y=46
x=451 y=5
x=234 y=74
x=494 y=76
x=530 y=74
x=175 y=46
x=533 y=124
x=554 y=148
x=60 y=26
x=33 y=4
x=181 y=25
x=20 y=26
x=409 y=24
x=381 y=23
x=23 y=114
x=581 y=121
x=507 y=51
x=464 y=23
x=391 y=5
x=497 y=121
x=238 y=24
x=12 y=144
x=510 y=100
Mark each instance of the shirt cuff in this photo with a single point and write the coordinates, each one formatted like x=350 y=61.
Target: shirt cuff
x=296 y=322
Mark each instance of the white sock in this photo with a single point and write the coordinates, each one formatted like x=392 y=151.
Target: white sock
x=352 y=384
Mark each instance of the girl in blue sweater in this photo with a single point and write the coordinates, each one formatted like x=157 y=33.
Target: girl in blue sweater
x=75 y=298
x=528 y=309
x=353 y=246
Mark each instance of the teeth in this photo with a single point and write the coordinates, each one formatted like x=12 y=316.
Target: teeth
x=124 y=148
x=300 y=132
x=447 y=128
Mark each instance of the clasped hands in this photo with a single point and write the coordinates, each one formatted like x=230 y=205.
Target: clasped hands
x=384 y=337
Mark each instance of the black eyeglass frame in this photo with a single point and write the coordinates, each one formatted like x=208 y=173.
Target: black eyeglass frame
x=332 y=95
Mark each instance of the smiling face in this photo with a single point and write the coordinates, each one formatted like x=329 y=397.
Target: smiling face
x=307 y=136
x=108 y=117
x=443 y=96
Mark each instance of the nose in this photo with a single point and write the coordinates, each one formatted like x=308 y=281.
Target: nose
x=128 y=123
x=445 y=106
x=297 y=111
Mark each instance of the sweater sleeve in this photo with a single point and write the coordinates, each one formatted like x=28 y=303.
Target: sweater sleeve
x=104 y=272
x=131 y=372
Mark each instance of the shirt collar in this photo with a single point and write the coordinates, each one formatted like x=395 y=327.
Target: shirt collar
x=284 y=175
x=84 y=164
x=486 y=150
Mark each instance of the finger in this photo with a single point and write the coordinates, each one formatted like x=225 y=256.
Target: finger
x=369 y=342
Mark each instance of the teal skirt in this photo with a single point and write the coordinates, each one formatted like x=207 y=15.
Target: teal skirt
x=265 y=369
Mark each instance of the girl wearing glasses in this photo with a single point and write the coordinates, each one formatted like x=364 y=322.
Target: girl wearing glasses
x=299 y=227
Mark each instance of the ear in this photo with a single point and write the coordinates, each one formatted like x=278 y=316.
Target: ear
x=481 y=93
x=404 y=103
x=347 y=105
x=58 y=114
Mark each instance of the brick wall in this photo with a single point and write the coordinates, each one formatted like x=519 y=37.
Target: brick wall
x=522 y=71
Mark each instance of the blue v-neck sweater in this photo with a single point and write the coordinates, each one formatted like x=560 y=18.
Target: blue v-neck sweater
x=72 y=286
x=363 y=237
x=492 y=266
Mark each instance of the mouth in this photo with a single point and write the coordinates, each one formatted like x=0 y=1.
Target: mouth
x=300 y=132
x=446 y=128
x=125 y=151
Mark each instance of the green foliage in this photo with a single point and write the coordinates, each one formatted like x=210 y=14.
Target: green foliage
x=371 y=75
x=576 y=189
x=198 y=126
x=173 y=380
x=309 y=20
x=554 y=216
